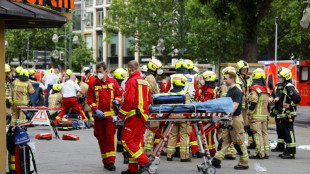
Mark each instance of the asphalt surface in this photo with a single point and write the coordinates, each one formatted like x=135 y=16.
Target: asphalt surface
x=83 y=156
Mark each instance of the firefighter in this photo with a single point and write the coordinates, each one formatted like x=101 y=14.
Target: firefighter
x=67 y=75
x=236 y=134
x=242 y=72
x=181 y=128
x=8 y=93
x=135 y=111
x=18 y=70
x=32 y=75
x=153 y=70
x=55 y=99
x=286 y=101
x=89 y=76
x=21 y=90
x=103 y=93
x=258 y=113
x=82 y=99
x=208 y=92
x=120 y=74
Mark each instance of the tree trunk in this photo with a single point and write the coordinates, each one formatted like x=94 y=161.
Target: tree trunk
x=250 y=47
x=165 y=57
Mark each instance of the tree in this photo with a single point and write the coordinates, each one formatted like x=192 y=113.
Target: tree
x=81 y=56
x=250 y=12
x=143 y=20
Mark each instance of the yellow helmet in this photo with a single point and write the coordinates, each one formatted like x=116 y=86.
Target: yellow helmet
x=242 y=64
x=209 y=76
x=120 y=74
x=154 y=64
x=258 y=74
x=19 y=69
x=228 y=69
x=181 y=63
x=190 y=64
x=179 y=80
x=285 y=73
x=69 y=72
x=52 y=70
x=196 y=69
x=57 y=87
x=7 y=68
x=24 y=72
x=31 y=71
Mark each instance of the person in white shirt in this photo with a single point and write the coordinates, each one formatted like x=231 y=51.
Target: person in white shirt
x=69 y=92
x=49 y=78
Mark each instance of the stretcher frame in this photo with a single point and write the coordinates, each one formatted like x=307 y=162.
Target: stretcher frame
x=41 y=108
x=196 y=118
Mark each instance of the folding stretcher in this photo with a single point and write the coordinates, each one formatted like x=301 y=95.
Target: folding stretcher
x=187 y=112
x=43 y=110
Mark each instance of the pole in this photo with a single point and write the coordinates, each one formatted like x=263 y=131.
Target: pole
x=181 y=28
x=70 y=45
x=65 y=48
x=27 y=51
x=276 y=44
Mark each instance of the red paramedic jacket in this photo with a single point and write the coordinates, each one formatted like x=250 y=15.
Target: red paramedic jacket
x=100 y=95
x=137 y=96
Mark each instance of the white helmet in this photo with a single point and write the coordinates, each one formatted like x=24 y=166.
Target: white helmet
x=144 y=68
x=86 y=69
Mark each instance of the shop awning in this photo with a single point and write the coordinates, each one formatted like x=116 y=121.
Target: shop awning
x=21 y=15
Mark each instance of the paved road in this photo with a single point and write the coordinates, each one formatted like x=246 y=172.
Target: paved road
x=83 y=156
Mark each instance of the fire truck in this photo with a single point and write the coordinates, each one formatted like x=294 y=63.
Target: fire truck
x=300 y=71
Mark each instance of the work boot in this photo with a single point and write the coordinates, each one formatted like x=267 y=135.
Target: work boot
x=266 y=157
x=128 y=172
x=229 y=157
x=177 y=153
x=109 y=166
x=145 y=166
x=170 y=159
x=216 y=163
x=256 y=157
x=279 y=148
x=186 y=160
x=126 y=157
x=238 y=167
x=287 y=156
x=197 y=155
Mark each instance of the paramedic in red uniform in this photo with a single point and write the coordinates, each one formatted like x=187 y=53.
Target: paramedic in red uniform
x=135 y=112
x=103 y=93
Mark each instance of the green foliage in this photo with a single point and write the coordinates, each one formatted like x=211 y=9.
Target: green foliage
x=81 y=56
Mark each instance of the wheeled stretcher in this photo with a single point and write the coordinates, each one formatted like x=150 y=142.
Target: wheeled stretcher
x=177 y=112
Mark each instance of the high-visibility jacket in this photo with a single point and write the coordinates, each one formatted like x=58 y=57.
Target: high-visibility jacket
x=191 y=86
x=260 y=95
x=21 y=91
x=137 y=96
x=153 y=84
x=206 y=93
x=54 y=101
x=8 y=90
x=89 y=78
x=244 y=88
x=100 y=95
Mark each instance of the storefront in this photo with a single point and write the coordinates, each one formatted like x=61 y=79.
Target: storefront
x=18 y=15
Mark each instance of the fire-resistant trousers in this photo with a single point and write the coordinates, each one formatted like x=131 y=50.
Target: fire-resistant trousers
x=289 y=136
x=236 y=135
x=180 y=127
x=259 y=130
x=279 y=128
x=73 y=103
x=132 y=140
x=193 y=141
x=104 y=131
x=17 y=114
x=149 y=139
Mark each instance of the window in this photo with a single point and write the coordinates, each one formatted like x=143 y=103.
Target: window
x=88 y=19
x=99 y=46
x=100 y=2
x=88 y=3
x=89 y=41
x=304 y=73
x=100 y=18
x=109 y=1
x=77 y=18
x=113 y=46
x=129 y=46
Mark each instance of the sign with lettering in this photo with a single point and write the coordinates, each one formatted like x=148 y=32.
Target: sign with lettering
x=66 y=4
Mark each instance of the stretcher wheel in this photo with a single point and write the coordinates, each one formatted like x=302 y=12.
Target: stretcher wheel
x=198 y=168
x=210 y=170
x=152 y=170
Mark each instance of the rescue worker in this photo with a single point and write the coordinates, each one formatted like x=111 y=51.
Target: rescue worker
x=22 y=87
x=49 y=78
x=242 y=72
x=135 y=111
x=181 y=128
x=55 y=99
x=236 y=135
x=89 y=76
x=82 y=99
x=208 y=92
x=18 y=70
x=32 y=75
x=8 y=94
x=69 y=92
x=286 y=100
x=67 y=75
x=258 y=113
x=153 y=69
x=143 y=70
x=103 y=93
x=120 y=74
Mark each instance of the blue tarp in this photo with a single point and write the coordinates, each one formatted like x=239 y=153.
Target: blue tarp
x=49 y=88
x=34 y=97
x=224 y=104
x=166 y=98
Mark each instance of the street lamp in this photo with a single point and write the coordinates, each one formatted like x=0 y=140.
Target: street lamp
x=305 y=21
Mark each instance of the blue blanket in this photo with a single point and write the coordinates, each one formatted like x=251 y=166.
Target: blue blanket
x=34 y=97
x=224 y=104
